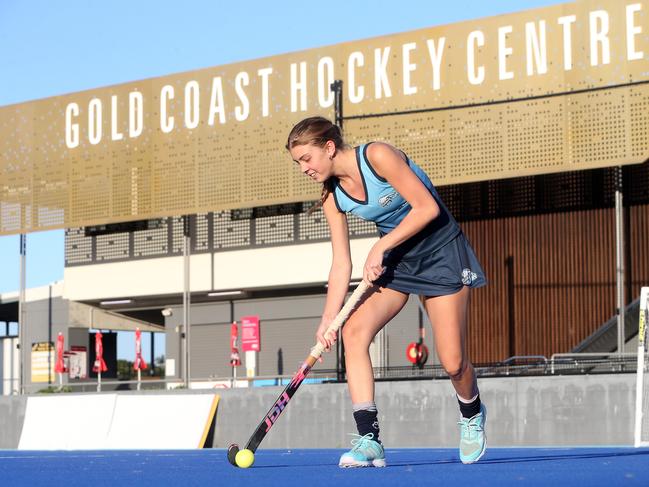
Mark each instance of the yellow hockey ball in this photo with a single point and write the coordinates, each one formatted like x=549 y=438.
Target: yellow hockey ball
x=244 y=458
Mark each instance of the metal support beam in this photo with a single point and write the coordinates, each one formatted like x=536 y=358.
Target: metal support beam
x=152 y=366
x=187 y=241
x=619 y=258
x=337 y=88
x=22 y=313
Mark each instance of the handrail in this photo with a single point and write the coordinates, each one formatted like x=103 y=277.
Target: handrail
x=520 y=357
x=588 y=354
x=318 y=374
x=511 y=361
x=536 y=364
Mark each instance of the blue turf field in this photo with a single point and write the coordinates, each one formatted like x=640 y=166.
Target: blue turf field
x=556 y=467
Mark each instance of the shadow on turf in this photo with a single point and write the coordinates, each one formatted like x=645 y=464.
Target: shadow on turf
x=531 y=458
x=567 y=456
x=486 y=461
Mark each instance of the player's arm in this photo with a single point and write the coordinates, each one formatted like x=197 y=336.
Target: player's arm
x=390 y=164
x=341 y=266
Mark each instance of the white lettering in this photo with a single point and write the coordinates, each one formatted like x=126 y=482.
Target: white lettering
x=94 y=121
x=355 y=59
x=166 y=122
x=567 y=22
x=503 y=53
x=298 y=86
x=408 y=68
x=216 y=102
x=325 y=78
x=115 y=134
x=135 y=114
x=536 y=48
x=599 y=35
x=476 y=38
x=71 y=129
x=381 y=82
x=632 y=30
x=192 y=92
x=436 y=54
x=264 y=74
x=241 y=112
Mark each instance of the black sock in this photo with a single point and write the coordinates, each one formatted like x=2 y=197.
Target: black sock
x=469 y=410
x=367 y=422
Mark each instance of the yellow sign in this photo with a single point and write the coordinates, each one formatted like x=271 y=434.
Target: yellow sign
x=43 y=358
x=547 y=90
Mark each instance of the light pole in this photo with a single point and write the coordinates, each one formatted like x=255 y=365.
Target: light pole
x=187 y=240
x=22 y=313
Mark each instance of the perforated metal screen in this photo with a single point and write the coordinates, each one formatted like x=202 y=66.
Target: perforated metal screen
x=593 y=129
x=495 y=199
x=548 y=90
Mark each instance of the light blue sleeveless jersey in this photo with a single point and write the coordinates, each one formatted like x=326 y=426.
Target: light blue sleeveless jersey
x=385 y=207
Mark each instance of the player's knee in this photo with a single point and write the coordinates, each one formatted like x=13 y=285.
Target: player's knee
x=456 y=369
x=350 y=334
x=353 y=337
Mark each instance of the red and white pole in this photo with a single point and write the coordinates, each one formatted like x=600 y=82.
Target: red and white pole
x=139 y=363
x=235 y=360
x=59 y=366
x=100 y=365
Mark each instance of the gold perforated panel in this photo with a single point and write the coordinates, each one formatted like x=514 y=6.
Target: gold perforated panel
x=547 y=90
x=587 y=130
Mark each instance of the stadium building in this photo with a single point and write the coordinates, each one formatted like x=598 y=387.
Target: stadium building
x=179 y=188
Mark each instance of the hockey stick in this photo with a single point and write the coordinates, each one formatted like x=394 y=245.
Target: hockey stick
x=286 y=395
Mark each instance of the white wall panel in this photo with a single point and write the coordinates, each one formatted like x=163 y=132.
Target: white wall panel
x=238 y=269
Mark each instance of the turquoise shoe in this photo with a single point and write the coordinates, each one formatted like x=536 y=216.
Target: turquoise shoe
x=473 y=440
x=365 y=452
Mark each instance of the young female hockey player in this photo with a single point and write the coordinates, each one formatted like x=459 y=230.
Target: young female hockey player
x=421 y=250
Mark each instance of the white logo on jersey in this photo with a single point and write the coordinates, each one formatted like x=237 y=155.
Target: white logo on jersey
x=387 y=199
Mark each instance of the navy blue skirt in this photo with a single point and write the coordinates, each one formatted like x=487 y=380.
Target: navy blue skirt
x=443 y=271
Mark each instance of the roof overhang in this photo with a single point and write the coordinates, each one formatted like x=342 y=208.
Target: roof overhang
x=85 y=316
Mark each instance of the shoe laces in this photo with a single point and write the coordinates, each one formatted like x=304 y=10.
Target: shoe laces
x=470 y=427
x=359 y=442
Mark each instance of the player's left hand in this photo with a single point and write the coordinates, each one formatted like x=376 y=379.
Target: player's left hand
x=373 y=264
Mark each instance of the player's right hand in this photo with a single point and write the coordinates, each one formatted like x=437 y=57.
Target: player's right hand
x=328 y=340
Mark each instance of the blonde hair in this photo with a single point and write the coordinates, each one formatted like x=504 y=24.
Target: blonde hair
x=316 y=131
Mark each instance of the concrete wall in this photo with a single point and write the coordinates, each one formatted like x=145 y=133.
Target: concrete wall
x=530 y=411
x=12 y=415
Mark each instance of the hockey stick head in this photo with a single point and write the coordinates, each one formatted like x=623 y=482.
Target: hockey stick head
x=233 y=449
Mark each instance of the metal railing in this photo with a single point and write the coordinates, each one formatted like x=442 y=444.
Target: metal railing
x=170 y=383
x=516 y=366
x=618 y=362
